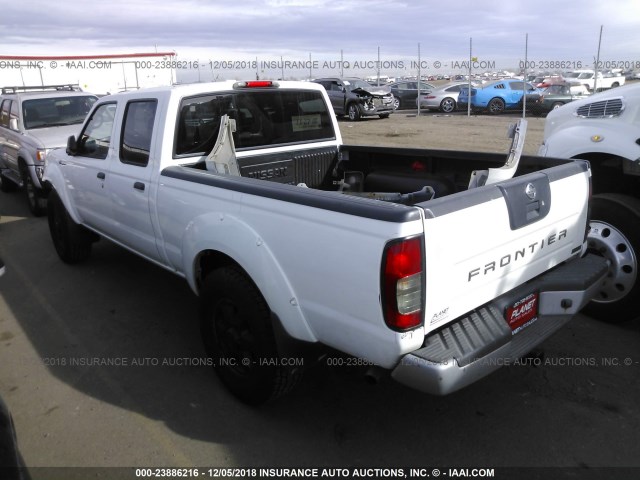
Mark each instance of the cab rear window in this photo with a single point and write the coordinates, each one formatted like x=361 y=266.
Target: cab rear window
x=263 y=118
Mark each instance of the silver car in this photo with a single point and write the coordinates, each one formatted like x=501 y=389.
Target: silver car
x=444 y=98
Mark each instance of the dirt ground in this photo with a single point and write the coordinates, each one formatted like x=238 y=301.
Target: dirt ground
x=482 y=133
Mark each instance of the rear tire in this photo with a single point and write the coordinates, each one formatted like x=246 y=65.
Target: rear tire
x=495 y=106
x=235 y=322
x=72 y=241
x=615 y=235
x=447 y=105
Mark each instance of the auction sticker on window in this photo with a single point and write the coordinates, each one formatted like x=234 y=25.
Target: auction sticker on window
x=301 y=123
x=522 y=313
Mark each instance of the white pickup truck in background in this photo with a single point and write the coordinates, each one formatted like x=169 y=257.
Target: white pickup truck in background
x=293 y=240
x=593 y=81
x=605 y=130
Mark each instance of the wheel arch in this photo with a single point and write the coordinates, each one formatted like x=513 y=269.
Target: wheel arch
x=608 y=174
x=217 y=240
x=54 y=181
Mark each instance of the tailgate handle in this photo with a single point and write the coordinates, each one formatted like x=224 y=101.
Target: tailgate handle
x=533 y=210
x=528 y=199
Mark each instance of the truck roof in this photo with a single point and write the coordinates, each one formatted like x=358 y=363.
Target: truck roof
x=187 y=89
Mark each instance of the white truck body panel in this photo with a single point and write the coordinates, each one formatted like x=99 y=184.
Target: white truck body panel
x=493 y=261
x=569 y=135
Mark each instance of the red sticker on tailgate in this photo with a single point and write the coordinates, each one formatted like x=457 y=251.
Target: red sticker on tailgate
x=523 y=312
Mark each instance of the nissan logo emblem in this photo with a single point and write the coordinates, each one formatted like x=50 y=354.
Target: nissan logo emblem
x=530 y=190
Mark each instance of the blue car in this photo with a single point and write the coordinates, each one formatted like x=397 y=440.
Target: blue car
x=496 y=97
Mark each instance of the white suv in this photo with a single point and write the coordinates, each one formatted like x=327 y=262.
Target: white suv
x=33 y=120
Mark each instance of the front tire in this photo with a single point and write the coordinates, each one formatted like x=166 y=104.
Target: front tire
x=614 y=234
x=72 y=241
x=396 y=103
x=35 y=200
x=354 y=112
x=235 y=322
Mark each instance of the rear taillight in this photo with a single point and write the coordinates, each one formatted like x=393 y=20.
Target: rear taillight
x=256 y=84
x=403 y=283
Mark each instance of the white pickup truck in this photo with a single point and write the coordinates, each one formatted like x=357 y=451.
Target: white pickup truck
x=605 y=130
x=292 y=239
x=593 y=82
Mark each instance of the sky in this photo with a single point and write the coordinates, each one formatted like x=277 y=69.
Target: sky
x=255 y=35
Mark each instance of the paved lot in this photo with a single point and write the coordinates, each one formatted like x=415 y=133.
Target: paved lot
x=59 y=325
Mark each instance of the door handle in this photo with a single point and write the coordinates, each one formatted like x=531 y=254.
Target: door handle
x=139 y=186
x=101 y=175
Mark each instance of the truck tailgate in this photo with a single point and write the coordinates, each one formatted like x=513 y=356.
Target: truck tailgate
x=486 y=241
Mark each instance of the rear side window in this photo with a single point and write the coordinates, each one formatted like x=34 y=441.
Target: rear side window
x=263 y=118
x=137 y=129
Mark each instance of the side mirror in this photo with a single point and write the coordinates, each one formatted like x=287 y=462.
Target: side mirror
x=72 y=145
x=13 y=124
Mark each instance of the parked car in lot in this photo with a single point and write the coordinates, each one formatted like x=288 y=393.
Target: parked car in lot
x=556 y=96
x=496 y=97
x=444 y=98
x=601 y=81
x=356 y=98
x=405 y=93
x=34 y=120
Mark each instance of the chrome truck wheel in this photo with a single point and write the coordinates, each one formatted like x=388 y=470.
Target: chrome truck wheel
x=615 y=234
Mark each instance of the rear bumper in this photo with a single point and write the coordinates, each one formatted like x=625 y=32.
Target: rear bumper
x=474 y=346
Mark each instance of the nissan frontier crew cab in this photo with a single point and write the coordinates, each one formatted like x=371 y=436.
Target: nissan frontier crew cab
x=431 y=264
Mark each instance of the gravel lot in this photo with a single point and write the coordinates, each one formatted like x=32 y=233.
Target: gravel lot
x=480 y=133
